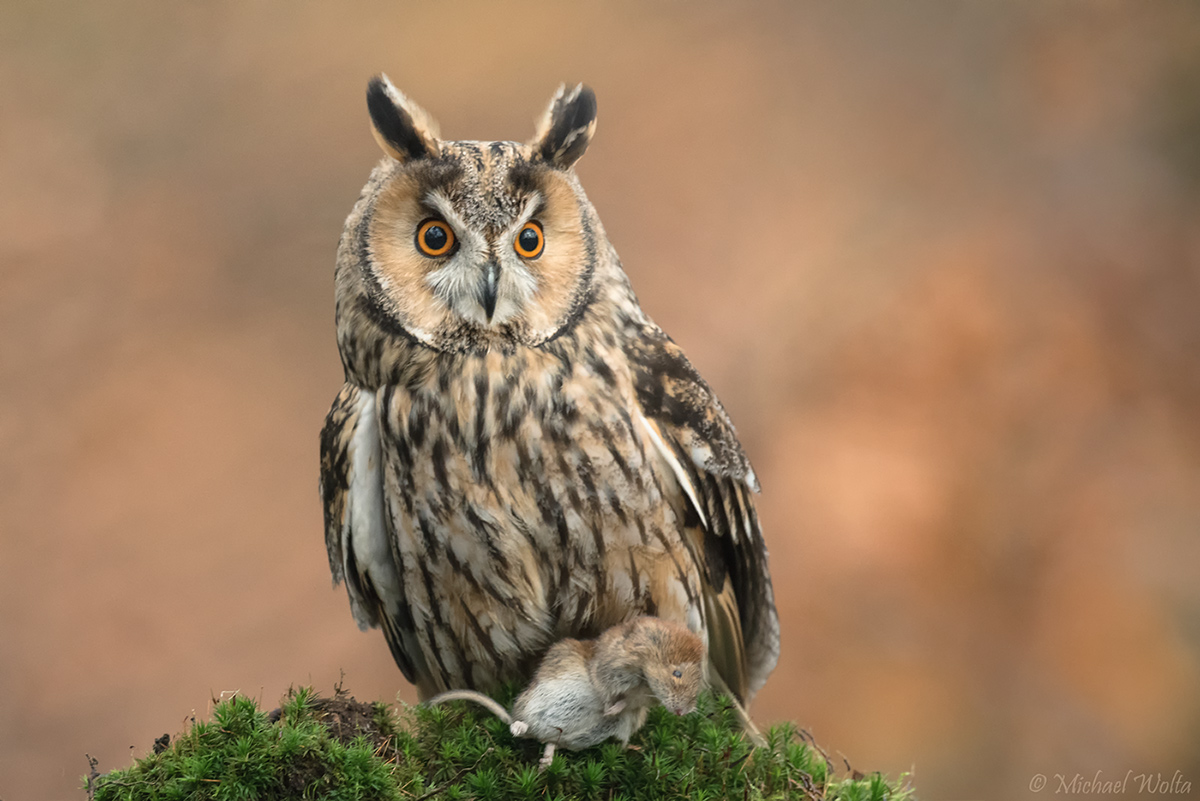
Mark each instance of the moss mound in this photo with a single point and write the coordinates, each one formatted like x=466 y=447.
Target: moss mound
x=336 y=748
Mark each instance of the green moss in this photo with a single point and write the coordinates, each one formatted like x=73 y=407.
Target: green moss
x=335 y=748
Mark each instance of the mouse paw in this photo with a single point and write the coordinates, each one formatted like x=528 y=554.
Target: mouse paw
x=518 y=727
x=615 y=708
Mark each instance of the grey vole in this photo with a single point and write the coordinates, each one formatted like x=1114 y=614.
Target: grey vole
x=586 y=691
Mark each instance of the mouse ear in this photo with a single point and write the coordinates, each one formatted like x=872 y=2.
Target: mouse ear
x=566 y=128
x=401 y=127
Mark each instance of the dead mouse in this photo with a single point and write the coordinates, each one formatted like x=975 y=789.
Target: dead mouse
x=586 y=691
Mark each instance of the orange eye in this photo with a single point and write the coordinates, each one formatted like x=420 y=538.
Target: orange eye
x=434 y=238
x=529 y=241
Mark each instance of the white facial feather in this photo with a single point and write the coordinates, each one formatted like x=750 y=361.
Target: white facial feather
x=457 y=283
x=517 y=283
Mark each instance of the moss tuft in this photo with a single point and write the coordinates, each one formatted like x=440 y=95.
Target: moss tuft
x=336 y=748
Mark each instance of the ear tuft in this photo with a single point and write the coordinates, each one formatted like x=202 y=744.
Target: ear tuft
x=401 y=127
x=567 y=126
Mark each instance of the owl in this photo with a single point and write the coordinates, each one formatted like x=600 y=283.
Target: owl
x=519 y=454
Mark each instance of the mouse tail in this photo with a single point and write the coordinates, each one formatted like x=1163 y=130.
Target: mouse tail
x=743 y=716
x=471 y=695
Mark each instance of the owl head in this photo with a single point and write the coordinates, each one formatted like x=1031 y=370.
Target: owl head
x=460 y=244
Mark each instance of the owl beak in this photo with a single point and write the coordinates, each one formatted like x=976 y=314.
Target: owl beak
x=491 y=283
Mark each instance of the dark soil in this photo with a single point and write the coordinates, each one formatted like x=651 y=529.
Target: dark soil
x=347 y=718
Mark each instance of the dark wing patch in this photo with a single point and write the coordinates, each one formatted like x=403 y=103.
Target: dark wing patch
x=739 y=599
x=673 y=394
x=335 y=473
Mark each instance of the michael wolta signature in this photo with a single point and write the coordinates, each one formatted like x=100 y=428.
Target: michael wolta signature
x=1100 y=784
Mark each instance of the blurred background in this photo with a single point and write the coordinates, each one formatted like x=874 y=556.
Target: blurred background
x=940 y=261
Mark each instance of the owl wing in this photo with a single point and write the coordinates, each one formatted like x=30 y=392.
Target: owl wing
x=696 y=438
x=358 y=531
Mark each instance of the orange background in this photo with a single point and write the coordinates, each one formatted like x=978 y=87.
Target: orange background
x=940 y=261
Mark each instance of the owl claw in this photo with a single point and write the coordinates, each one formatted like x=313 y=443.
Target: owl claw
x=518 y=728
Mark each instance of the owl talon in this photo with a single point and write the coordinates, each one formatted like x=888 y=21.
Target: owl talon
x=518 y=728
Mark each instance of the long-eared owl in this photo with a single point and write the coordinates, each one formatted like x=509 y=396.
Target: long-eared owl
x=519 y=454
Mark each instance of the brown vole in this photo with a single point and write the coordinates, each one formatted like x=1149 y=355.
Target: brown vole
x=586 y=691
